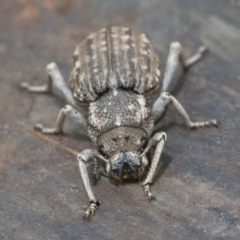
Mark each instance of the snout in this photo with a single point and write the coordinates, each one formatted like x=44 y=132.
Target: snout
x=127 y=166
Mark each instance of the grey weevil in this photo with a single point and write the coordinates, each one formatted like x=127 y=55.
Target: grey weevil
x=117 y=94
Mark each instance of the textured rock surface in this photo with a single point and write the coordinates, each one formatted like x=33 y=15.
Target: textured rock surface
x=197 y=185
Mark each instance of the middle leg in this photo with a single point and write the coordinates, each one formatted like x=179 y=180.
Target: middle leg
x=164 y=99
x=76 y=116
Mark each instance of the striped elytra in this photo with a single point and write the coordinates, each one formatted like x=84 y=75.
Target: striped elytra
x=112 y=58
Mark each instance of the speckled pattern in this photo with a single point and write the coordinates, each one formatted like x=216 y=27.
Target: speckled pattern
x=197 y=187
x=119 y=108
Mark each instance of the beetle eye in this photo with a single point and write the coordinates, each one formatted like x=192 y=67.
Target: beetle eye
x=143 y=143
x=102 y=151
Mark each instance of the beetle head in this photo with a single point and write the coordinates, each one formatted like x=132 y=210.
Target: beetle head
x=123 y=147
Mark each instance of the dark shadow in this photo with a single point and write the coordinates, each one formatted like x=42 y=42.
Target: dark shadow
x=157 y=122
x=167 y=127
x=25 y=94
x=178 y=84
x=58 y=99
x=163 y=165
x=78 y=134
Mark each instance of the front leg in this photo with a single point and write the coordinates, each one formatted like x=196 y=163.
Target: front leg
x=159 y=139
x=84 y=157
x=76 y=116
x=162 y=102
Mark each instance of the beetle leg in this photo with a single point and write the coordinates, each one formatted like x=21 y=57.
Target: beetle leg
x=84 y=157
x=192 y=60
x=159 y=139
x=96 y=172
x=54 y=78
x=174 y=58
x=166 y=98
x=76 y=116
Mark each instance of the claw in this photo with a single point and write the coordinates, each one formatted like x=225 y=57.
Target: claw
x=149 y=195
x=38 y=127
x=147 y=192
x=24 y=85
x=202 y=49
x=88 y=214
x=214 y=122
x=91 y=210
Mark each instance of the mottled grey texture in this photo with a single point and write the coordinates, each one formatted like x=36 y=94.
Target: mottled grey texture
x=119 y=108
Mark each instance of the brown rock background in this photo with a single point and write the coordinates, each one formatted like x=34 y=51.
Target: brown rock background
x=197 y=185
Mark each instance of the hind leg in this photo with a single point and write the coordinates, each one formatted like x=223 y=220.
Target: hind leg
x=54 y=79
x=175 y=58
x=164 y=99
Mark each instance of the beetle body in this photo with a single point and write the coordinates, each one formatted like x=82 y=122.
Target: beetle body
x=117 y=94
x=116 y=76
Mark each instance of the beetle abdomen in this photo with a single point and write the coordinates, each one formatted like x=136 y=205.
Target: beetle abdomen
x=112 y=58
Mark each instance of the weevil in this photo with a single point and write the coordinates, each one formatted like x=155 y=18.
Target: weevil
x=117 y=94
